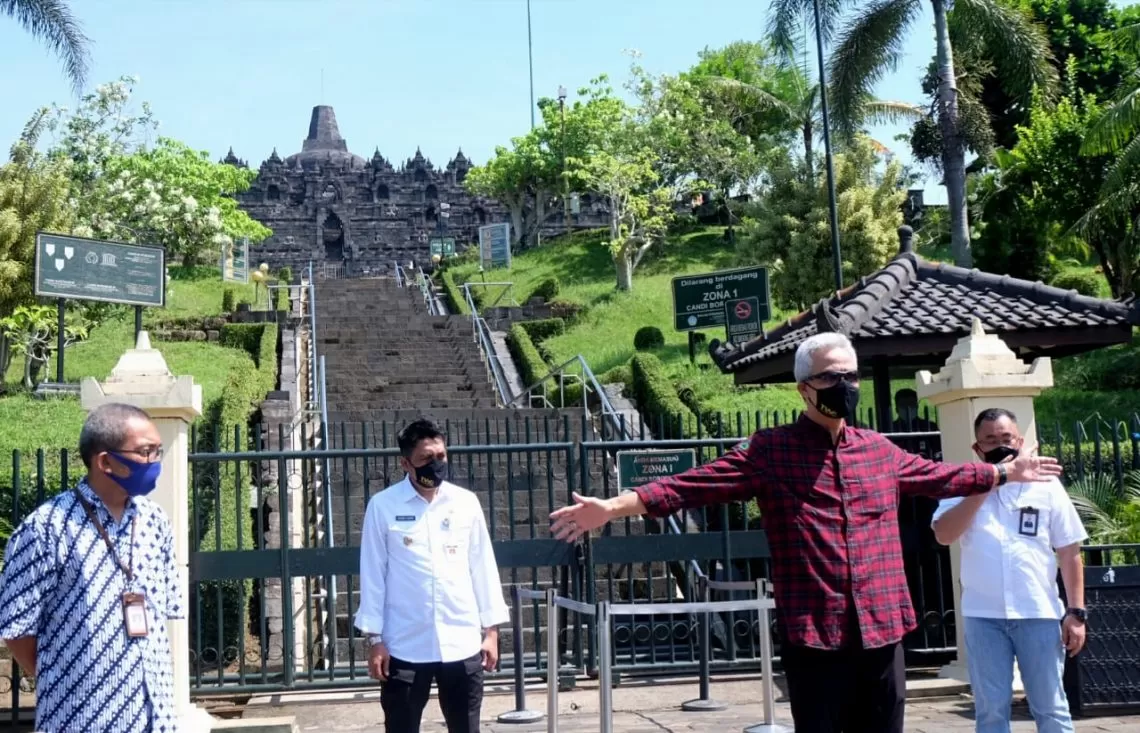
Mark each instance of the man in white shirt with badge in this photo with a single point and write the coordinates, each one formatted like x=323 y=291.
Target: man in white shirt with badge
x=430 y=596
x=1013 y=540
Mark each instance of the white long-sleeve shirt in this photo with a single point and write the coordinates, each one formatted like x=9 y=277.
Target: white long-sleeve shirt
x=429 y=583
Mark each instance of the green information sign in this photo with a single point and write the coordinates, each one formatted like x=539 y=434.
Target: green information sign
x=449 y=246
x=742 y=319
x=88 y=269
x=699 y=300
x=638 y=467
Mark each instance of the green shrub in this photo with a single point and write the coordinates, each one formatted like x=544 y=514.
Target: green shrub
x=543 y=329
x=529 y=362
x=1109 y=369
x=285 y=275
x=1084 y=282
x=456 y=303
x=648 y=338
x=220 y=490
x=547 y=290
x=621 y=374
x=228 y=300
x=655 y=394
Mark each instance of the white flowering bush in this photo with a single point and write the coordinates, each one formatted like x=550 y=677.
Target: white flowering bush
x=130 y=186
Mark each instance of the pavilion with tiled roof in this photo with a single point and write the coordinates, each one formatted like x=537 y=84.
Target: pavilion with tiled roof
x=908 y=316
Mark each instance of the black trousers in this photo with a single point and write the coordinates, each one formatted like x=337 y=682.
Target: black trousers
x=851 y=690
x=405 y=693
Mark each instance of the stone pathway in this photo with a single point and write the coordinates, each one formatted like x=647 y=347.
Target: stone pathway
x=644 y=708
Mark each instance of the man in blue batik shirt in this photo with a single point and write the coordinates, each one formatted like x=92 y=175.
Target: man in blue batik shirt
x=88 y=584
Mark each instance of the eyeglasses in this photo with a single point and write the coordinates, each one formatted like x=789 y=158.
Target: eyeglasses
x=832 y=378
x=149 y=454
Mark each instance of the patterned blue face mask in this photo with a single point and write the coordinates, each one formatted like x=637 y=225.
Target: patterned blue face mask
x=141 y=480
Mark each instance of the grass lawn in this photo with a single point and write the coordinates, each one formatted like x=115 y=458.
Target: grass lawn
x=604 y=335
x=27 y=423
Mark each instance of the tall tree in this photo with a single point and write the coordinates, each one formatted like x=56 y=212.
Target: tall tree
x=33 y=196
x=51 y=21
x=789 y=224
x=871 y=43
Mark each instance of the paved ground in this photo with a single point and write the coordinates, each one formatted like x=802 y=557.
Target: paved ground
x=638 y=708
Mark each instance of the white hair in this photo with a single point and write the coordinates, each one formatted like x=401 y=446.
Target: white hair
x=806 y=352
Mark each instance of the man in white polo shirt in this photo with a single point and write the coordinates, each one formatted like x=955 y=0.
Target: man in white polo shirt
x=430 y=598
x=1013 y=540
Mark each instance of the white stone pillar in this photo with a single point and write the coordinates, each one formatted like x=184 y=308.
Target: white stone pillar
x=981 y=373
x=141 y=378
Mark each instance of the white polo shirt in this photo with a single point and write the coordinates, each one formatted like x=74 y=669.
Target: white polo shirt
x=1009 y=569
x=429 y=583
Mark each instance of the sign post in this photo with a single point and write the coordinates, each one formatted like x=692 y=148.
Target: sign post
x=495 y=245
x=742 y=319
x=638 y=467
x=74 y=268
x=235 y=262
x=699 y=300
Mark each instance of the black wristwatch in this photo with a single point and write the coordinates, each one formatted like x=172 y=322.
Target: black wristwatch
x=1003 y=474
x=1079 y=614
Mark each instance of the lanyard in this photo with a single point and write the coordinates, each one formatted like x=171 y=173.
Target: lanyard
x=126 y=567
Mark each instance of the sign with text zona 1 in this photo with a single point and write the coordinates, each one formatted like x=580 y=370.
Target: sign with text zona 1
x=495 y=245
x=75 y=268
x=639 y=467
x=742 y=319
x=235 y=261
x=698 y=300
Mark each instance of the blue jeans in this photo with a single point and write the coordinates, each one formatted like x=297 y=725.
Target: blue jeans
x=991 y=644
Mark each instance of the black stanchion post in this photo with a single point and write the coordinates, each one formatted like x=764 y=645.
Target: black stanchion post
x=704 y=703
x=61 y=310
x=520 y=714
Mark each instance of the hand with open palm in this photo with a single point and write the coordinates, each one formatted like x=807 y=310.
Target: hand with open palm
x=585 y=514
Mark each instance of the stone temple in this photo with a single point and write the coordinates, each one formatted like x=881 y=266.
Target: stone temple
x=342 y=212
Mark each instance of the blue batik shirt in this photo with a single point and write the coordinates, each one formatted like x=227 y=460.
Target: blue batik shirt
x=61 y=584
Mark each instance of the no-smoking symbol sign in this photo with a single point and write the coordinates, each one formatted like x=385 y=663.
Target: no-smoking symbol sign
x=742 y=310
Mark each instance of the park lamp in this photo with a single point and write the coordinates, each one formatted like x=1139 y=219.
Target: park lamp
x=561 y=94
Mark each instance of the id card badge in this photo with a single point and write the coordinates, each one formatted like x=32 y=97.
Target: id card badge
x=134 y=614
x=1027 y=522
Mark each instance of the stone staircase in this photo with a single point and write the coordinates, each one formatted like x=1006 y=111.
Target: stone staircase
x=389 y=362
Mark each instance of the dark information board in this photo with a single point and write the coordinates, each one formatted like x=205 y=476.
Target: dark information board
x=638 y=467
x=88 y=269
x=699 y=300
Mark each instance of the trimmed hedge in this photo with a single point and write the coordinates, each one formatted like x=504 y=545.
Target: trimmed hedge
x=654 y=392
x=548 y=290
x=1083 y=281
x=532 y=367
x=648 y=338
x=222 y=489
x=543 y=329
x=456 y=303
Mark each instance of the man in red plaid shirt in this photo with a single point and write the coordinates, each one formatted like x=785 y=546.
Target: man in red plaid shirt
x=828 y=496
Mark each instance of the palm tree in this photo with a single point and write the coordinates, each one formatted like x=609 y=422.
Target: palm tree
x=799 y=101
x=870 y=44
x=51 y=21
x=1109 y=510
x=1118 y=131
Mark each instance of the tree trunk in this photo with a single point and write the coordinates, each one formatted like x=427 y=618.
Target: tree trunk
x=539 y=217
x=809 y=148
x=623 y=264
x=953 y=147
x=516 y=208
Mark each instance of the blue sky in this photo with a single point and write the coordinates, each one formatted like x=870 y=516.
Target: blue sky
x=438 y=74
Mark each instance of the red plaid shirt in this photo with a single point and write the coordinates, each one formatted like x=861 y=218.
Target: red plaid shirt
x=831 y=514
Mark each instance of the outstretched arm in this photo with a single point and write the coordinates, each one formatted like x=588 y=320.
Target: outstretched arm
x=735 y=476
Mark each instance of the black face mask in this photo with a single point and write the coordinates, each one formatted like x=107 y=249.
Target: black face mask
x=1001 y=453
x=431 y=474
x=837 y=402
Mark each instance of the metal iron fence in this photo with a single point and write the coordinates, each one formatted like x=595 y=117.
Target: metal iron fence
x=273 y=598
